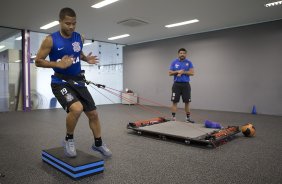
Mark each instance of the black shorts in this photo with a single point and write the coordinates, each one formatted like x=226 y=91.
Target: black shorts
x=181 y=89
x=67 y=94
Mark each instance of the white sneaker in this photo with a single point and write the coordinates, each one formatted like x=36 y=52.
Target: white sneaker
x=104 y=150
x=69 y=148
x=189 y=120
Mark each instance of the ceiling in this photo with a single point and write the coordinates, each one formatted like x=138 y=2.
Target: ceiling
x=100 y=24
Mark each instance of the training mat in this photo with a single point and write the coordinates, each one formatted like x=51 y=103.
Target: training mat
x=178 y=128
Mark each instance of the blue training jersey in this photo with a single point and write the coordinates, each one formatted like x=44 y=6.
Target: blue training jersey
x=181 y=65
x=66 y=46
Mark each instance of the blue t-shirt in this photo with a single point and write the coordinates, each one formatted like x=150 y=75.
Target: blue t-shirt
x=181 y=65
x=66 y=46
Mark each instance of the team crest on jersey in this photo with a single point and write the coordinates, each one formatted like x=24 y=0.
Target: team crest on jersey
x=76 y=47
x=69 y=97
x=176 y=65
x=187 y=64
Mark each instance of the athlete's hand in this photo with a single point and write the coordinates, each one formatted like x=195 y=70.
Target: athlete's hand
x=180 y=72
x=92 y=59
x=65 y=62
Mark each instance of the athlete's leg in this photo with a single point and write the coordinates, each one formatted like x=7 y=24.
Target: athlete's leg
x=187 y=99
x=174 y=107
x=74 y=112
x=187 y=110
x=95 y=126
x=94 y=123
x=187 y=107
x=73 y=115
x=175 y=96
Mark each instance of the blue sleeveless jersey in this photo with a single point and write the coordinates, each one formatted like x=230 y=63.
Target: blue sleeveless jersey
x=66 y=46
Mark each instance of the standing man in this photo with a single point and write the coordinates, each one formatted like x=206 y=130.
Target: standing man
x=181 y=69
x=64 y=48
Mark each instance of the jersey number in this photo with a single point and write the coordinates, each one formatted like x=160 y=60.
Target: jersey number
x=64 y=91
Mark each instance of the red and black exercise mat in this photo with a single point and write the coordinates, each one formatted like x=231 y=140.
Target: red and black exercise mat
x=141 y=123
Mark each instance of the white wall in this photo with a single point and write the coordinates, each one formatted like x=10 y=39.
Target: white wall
x=234 y=68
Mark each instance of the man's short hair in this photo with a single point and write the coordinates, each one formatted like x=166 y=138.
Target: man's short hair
x=182 y=49
x=66 y=12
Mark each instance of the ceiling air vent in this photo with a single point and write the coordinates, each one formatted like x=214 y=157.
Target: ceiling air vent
x=132 y=22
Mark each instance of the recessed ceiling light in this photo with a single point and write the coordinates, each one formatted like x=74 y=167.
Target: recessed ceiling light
x=85 y=44
x=103 y=3
x=19 y=38
x=118 y=37
x=52 y=24
x=17 y=61
x=2 y=46
x=182 y=23
x=273 y=4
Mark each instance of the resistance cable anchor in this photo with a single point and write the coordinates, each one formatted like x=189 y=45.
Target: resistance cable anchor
x=98 y=85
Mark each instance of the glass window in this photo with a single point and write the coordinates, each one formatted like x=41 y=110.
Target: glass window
x=10 y=69
x=108 y=72
x=40 y=78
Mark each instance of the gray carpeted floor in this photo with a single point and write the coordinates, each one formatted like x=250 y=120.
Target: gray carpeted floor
x=141 y=159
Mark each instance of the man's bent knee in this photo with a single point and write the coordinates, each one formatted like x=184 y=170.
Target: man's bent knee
x=76 y=108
